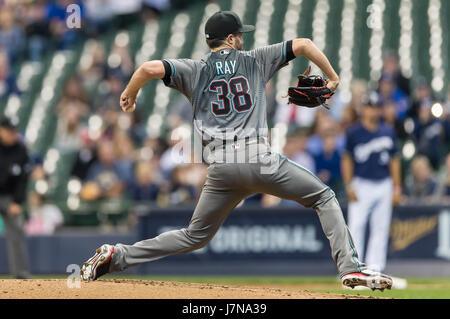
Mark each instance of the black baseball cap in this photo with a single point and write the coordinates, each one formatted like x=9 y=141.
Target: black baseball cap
x=9 y=122
x=223 y=23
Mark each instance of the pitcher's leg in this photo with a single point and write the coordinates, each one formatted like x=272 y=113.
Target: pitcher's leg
x=293 y=182
x=333 y=224
x=211 y=211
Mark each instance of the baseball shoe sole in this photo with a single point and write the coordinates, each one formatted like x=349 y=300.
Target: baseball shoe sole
x=367 y=278
x=97 y=265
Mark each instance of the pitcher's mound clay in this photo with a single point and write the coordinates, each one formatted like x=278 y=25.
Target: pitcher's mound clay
x=149 y=289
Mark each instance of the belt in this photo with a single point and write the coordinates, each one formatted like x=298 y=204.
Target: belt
x=235 y=144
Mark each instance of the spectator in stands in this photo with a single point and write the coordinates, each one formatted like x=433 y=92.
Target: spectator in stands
x=99 y=16
x=138 y=128
x=295 y=149
x=63 y=37
x=44 y=218
x=86 y=156
x=389 y=117
x=12 y=37
x=181 y=191
x=422 y=97
x=350 y=112
x=389 y=93
x=93 y=68
x=110 y=117
x=144 y=186
x=328 y=163
x=427 y=133
x=156 y=146
x=105 y=178
x=8 y=83
x=445 y=184
x=120 y=62
x=69 y=130
x=421 y=186
x=391 y=68
x=154 y=7
x=109 y=94
x=341 y=110
x=126 y=12
x=37 y=173
x=125 y=153
x=324 y=125
x=36 y=29
x=74 y=96
x=349 y=117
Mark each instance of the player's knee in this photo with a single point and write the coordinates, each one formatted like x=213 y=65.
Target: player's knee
x=201 y=242
x=198 y=239
x=324 y=197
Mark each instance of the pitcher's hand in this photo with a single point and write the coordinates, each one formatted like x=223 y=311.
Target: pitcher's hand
x=127 y=101
x=333 y=85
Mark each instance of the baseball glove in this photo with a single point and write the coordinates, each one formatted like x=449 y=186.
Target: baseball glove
x=311 y=91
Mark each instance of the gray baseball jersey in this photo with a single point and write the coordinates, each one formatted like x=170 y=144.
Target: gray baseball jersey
x=227 y=92
x=227 y=89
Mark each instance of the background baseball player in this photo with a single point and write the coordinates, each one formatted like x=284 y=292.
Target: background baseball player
x=227 y=92
x=371 y=173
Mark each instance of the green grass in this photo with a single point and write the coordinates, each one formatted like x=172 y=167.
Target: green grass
x=418 y=288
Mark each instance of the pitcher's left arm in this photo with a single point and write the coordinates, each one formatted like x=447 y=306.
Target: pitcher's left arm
x=307 y=48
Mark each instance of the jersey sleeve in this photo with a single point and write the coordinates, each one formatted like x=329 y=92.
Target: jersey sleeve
x=182 y=75
x=273 y=57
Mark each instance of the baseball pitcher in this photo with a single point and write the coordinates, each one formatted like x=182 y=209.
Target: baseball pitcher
x=227 y=92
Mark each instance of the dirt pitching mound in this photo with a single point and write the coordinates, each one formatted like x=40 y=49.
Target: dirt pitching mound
x=149 y=289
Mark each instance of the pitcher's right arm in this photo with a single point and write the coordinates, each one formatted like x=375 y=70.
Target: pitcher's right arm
x=147 y=71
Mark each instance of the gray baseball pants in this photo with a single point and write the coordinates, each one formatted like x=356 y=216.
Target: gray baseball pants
x=15 y=241
x=226 y=185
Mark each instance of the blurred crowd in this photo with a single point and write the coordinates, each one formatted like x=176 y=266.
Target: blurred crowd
x=30 y=28
x=116 y=158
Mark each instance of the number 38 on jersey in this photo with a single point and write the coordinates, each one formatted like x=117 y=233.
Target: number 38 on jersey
x=231 y=95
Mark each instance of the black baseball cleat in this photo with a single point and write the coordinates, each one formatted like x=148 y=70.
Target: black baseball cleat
x=367 y=278
x=97 y=265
